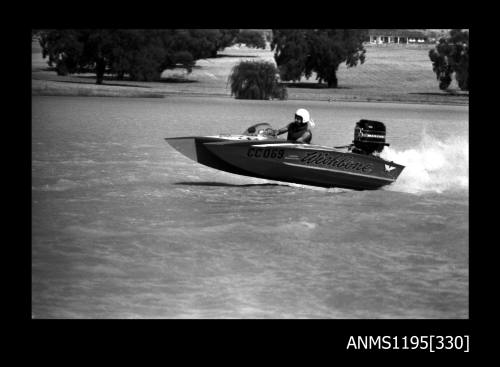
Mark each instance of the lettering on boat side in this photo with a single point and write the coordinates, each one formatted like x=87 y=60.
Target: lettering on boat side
x=265 y=153
x=338 y=161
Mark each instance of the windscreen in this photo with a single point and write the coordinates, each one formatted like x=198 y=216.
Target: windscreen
x=258 y=129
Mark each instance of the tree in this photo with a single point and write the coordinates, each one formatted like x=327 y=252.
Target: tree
x=144 y=56
x=291 y=53
x=226 y=38
x=300 y=52
x=185 y=46
x=451 y=55
x=252 y=39
x=97 y=48
x=256 y=80
x=63 y=49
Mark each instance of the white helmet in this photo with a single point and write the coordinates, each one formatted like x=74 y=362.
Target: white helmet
x=304 y=114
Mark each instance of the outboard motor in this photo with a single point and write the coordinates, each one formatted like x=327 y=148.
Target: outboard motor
x=369 y=137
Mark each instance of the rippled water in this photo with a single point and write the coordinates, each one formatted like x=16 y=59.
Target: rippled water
x=123 y=226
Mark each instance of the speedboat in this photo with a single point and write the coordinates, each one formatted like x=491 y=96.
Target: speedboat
x=258 y=152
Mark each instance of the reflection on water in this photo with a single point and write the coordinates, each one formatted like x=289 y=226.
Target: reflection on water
x=223 y=184
x=123 y=226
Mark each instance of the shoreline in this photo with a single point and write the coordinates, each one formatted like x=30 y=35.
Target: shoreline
x=42 y=87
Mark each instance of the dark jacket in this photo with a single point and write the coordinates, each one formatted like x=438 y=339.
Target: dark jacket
x=299 y=133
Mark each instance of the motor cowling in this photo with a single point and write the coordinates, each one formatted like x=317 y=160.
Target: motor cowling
x=369 y=137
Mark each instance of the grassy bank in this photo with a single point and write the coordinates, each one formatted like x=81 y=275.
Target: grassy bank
x=55 y=88
x=389 y=74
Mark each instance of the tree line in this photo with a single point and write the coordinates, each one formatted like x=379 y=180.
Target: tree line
x=143 y=54
x=300 y=52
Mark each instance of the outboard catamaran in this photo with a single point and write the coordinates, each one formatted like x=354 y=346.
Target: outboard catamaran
x=258 y=152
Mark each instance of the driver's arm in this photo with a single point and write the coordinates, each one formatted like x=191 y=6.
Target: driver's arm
x=282 y=130
x=304 y=137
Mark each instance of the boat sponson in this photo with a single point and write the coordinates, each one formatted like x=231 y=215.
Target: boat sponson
x=194 y=148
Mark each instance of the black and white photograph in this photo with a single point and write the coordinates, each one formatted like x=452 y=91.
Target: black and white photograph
x=250 y=174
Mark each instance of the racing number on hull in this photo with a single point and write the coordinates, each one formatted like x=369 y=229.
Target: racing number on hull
x=265 y=153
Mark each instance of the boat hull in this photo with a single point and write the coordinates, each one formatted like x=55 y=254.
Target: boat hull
x=280 y=160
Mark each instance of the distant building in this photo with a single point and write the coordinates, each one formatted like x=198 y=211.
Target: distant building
x=397 y=36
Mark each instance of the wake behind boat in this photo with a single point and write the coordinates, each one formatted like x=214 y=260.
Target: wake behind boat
x=257 y=152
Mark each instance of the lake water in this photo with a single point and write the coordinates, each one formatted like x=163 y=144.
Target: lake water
x=124 y=226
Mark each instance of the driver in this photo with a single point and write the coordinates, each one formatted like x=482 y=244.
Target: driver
x=298 y=130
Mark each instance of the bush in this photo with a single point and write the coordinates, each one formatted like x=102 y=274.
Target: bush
x=256 y=80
